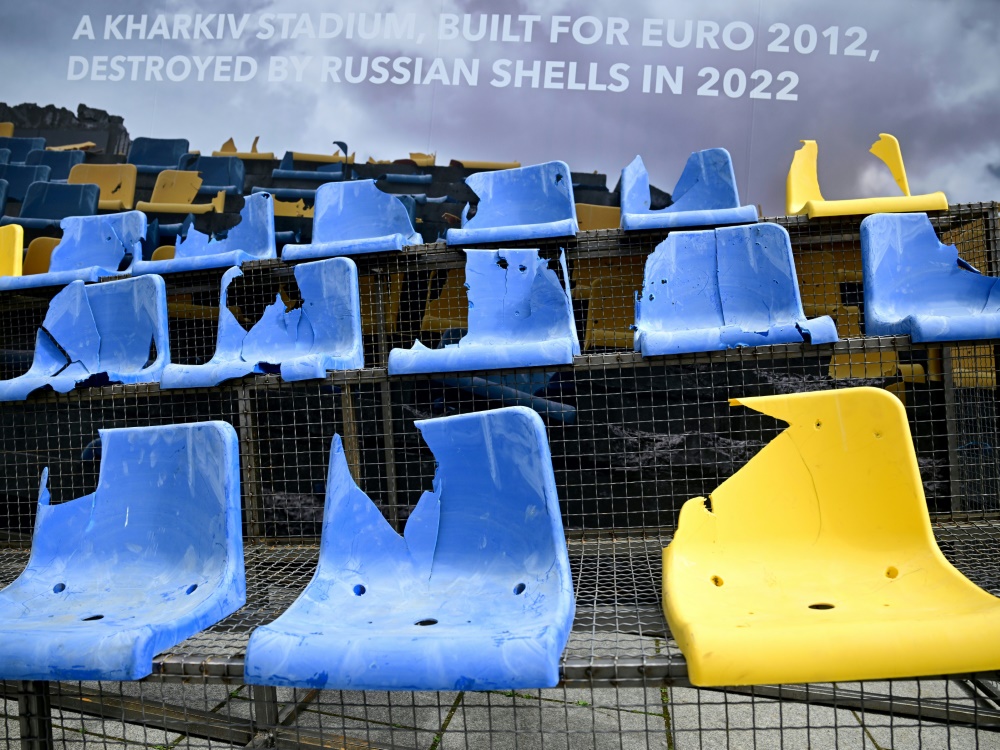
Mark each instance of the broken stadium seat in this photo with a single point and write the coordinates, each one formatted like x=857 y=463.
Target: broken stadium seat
x=225 y=173
x=816 y=561
x=152 y=557
x=20 y=147
x=98 y=334
x=46 y=204
x=481 y=164
x=705 y=195
x=116 y=181
x=251 y=239
x=331 y=172
x=91 y=247
x=803 y=196
x=153 y=155
x=229 y=149
x=352 y=218
x=174 y=193
x=20 y=177
x=476 y=594
x=723 y=288
x=58 y=162
x=519 y=204
x=11 y=250
x=520 y=315
x=915 y=285
x=303 y=342
x=38 y=255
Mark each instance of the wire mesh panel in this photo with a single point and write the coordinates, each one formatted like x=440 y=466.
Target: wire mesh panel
x=631 y=440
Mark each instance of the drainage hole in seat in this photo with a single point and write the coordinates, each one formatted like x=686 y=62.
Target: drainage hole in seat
x=428 y=621
x=821 y=606
x=192 y=588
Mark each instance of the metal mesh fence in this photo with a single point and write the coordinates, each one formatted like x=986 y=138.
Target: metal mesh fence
x=631 y=441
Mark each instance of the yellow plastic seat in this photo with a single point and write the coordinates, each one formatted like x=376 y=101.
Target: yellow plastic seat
x=589 y=216
x=82 y=146
x=229 y=149
x=164 y=252
x=417 y=158
x=816 y=561
x=324 y=158
x=450 y=309
x=117 y=183
x=297 y=209
x=803 y=196
x=174 y=192
x=11 y=250
x=38 y=255
x=6 y=130
x=368 y=294
x=473 y=164
x=608 y=285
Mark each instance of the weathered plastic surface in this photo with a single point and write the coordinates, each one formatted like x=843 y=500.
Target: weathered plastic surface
x=251 y=239
x=475 y=595
x=59 y=162
x=91 y=247
x=153 y=155
x=11 y=250
x=152 y=557
x=355 y=217
x=100 y=331
x=915 y=285
x=324 y=333
x=705 y=195
x=47 y=203
x=520 y=315
x=723 y=288
x=20 y=147
x=225 y=173
x=803 y=196
x=816 y=561
x=19 y=178
x=519 y=204
x=116 y=181
x=174 y=193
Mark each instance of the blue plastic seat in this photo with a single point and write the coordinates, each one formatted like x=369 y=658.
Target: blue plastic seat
x=323 y=173
x=58 y=162
x=705 y=195
x=152 y=557
x=153 y=155
x=101 y=333
x=20 y=147
x=287 y=194
x=4 y=155
x=915 y=285
x=20 y=177
x=519 y=204
x=251 y=239
x=225 y=173
x=301 y=343
x=520 y=315
x=46 y=204
x=355 y=217
x=4 y=187
x=723 y=288
x=91 y=247
x=475 y=595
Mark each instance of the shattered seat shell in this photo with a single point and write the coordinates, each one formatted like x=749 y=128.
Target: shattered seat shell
x=353 y=218
x=475 y=595
x=916 y=285
x=324 y=333
x=91 y=247
x=705 y=195
x=98 y=330
x=816 y=561
x=718 y=289
x=152 y=557
x=519 y=204
x=251 y=239
x=520 y=315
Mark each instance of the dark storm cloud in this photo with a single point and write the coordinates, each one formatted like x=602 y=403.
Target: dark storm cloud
x=933 y=85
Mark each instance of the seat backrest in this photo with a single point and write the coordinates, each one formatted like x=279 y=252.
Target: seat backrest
x=19 y=177
x=4 y=155
x=357 y=210
x=38 y=256
x=157 y=152
x=528 y=195
x=100 y=241
x=6 y=129
x=130 y=315
x=909 y=271
x=253 y=235
x=59 y=162
x=11 y=250
x=708 y=182
x=802 y=183
x=53 y=200
x=4 y=189
x=20 y=147
x=219 y=170
x=116 y=181
x=176 y=186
